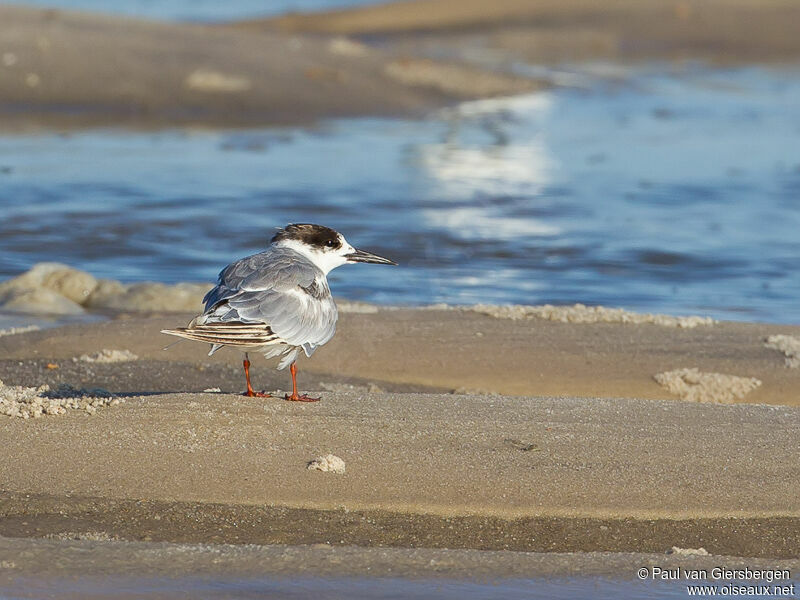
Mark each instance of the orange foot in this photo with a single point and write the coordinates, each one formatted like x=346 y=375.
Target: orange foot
x=301 y=398
x=252 y=394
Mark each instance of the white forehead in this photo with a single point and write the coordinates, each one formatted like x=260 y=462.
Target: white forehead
x=345 y=245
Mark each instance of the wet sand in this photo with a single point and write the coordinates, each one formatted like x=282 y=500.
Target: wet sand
x=70 y=69
x=90 y=558
x=585 y=471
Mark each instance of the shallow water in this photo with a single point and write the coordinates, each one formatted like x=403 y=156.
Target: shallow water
x=675 y=191
x=344 y=588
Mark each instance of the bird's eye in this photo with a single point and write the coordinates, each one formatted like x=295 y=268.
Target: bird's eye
x=329 y=243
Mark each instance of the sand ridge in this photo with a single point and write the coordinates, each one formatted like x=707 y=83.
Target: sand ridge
x=375 y=60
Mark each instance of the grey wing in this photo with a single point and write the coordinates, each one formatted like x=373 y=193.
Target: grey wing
x=280 y=288
x=232 y=276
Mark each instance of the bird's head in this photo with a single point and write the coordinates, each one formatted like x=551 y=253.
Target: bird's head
x=323 y=246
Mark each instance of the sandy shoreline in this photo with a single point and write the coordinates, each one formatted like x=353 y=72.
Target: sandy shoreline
x=475 y=443
x=53 y=558
x=525 y=473
x=525 y=425
x=70 y=69
x=423 y=471
x=547 y=32
x=73 y=69
x=406 y=350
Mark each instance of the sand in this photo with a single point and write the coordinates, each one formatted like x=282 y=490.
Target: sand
x=622 y=470
x=559 y=438
x=580 y=313
x=696 y=386
x=789 y=346
x=35 y=402
x=108 y=356
x=77 y=69
x=550 y=31
x=69 y=69
x=422 y=350
x=91 y=557
x=422 y=471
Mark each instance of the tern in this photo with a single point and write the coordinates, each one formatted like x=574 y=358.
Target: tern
x=278 y=301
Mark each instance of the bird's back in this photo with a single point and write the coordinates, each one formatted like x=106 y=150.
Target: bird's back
x=279 y=287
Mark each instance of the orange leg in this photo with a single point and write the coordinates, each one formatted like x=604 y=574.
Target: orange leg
x=250 y=391
x=294 y=397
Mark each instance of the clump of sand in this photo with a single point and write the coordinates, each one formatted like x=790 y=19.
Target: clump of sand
x=88 y=536
x=689 y=551
x=206 y=80
x=696 y=386
x=108 y=356
x=466 y=391
x=371 y=388
x=457 y=79
x=148 y=296
x=27 y=402
x=580 y=313
x=16 y=330
x=789 y=345
x=328 y=463
x=55 y=288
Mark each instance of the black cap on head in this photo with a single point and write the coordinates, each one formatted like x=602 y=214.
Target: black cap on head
x=313 y=235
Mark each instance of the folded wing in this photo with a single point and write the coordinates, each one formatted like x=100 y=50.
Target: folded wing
x=280 y=289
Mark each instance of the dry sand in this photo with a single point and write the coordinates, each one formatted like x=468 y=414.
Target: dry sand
x=531 y=474
x=61 y=68
x=599 y=472
x=417 y=350
x=556 y=30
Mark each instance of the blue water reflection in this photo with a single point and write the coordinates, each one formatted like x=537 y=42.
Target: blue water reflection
x=669 y=191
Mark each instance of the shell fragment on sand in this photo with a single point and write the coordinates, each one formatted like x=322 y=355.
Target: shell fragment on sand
x=108 y=356
x=789 y=345
x=688 y=551
x=27 y=402
x=696 y=386
x=579 y=313
x=328 y=463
